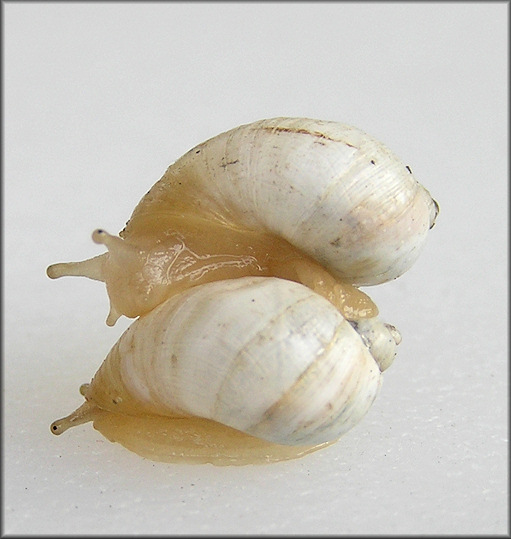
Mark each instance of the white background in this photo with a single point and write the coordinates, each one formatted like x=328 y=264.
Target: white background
x=100 y=98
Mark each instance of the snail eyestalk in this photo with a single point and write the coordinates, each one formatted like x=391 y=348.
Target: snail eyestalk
x=91 y=268
x=115 y=245
x=82 y=414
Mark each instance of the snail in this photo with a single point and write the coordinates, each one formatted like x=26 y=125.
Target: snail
x=243 y=265
x=313 y=201
x=266 y=356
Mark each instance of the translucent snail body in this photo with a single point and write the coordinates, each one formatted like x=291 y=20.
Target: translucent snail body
x=243 y=265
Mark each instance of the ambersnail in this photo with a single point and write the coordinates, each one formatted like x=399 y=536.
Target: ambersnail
x=243 y=265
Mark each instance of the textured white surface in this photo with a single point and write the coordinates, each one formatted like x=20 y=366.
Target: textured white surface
x=100 y=98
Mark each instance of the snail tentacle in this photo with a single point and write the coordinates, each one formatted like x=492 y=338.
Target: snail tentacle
x=83 y=414
x=91 y=268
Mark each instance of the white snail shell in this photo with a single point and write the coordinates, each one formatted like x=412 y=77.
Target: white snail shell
x=229 y=261
x=331 y=190
x=265 y=356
